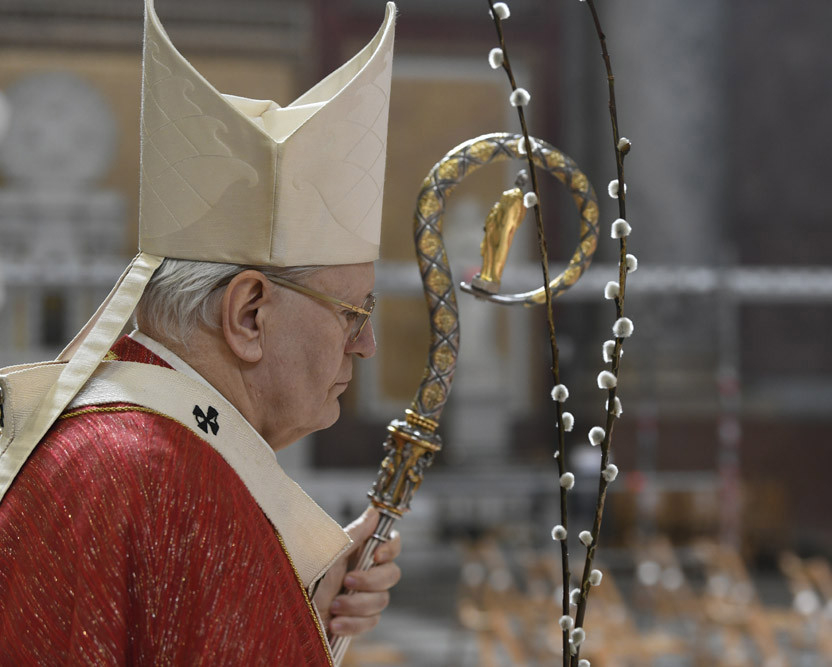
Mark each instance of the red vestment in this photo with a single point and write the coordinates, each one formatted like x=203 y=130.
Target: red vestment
x=128 y=539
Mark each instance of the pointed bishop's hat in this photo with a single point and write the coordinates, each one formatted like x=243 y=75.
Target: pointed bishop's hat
x=236 y=180
x=229 y=179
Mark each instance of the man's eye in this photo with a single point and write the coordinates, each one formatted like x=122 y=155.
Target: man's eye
x=351 y=315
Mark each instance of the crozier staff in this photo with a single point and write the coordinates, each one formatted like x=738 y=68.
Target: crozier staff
x=143 y=516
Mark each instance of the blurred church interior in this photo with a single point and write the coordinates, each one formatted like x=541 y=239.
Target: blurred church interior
x=716 y=539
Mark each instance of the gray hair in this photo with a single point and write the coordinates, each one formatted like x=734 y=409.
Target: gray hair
x=182 y=295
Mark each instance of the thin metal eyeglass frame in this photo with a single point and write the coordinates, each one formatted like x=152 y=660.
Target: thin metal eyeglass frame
x=365 y=312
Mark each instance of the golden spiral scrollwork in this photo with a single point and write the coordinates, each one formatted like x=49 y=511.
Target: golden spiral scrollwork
x=433 y=262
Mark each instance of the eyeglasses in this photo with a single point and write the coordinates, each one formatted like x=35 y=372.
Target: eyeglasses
x=362 y=314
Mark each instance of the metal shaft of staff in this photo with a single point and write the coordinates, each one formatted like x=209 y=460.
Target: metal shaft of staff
x=339 y=645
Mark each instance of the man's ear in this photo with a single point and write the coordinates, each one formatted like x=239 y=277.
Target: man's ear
x=242 y=319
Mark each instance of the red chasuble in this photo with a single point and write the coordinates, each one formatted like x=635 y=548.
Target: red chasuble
x=126 y=539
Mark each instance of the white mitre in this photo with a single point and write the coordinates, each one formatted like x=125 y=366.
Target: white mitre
x=234 y=180
x=229 y=179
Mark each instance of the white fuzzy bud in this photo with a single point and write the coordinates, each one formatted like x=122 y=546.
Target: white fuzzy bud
x=631 y=262
x=616 y=406
x=573 y=650
x=519 y=97
x=610 y=472
x=559 y=533
x=606 y=380
x=578 y=636
x=624 y=145
x=583 y=662
x=568 y=421
x=496 y=58
x=623 y=327
x=560 y=393
x=609 y=350
x=502 y=10
x=585 y=537
x=611 y=290
x=620 y=228
x=595 y=577
x=529 y=200
x=566 y=623
x=596 y=435
x=567 y=480
x=612 y=188
x=575 y=596
x=557 y=454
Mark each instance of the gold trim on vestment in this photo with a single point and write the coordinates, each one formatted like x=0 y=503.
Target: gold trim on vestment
x=312 y=611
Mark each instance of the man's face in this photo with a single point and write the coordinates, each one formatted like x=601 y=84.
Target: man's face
x=308 y=355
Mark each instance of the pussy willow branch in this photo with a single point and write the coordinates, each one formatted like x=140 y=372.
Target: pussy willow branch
x=619 y=312
x=544 y=261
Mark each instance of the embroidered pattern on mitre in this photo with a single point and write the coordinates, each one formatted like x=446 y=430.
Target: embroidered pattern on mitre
x=229 y=179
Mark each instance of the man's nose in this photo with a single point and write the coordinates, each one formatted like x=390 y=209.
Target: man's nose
x=365 y=345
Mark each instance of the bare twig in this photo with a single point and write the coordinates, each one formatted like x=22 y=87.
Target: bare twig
x=620 y=152
x=544 y=261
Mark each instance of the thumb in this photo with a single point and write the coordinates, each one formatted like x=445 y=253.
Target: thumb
x=362 y=528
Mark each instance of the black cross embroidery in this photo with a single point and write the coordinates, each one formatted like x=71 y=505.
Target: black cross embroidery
x=204 y=421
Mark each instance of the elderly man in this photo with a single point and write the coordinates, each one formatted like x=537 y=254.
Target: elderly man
x=144 y=517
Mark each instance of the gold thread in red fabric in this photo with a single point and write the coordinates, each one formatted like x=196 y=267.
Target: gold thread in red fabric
x=138 y=408
x=116 y=408
x=128 y=540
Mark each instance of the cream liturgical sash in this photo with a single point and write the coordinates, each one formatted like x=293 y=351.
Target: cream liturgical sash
x=314 y=540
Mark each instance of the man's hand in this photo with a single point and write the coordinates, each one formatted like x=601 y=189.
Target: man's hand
x=359 y=611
